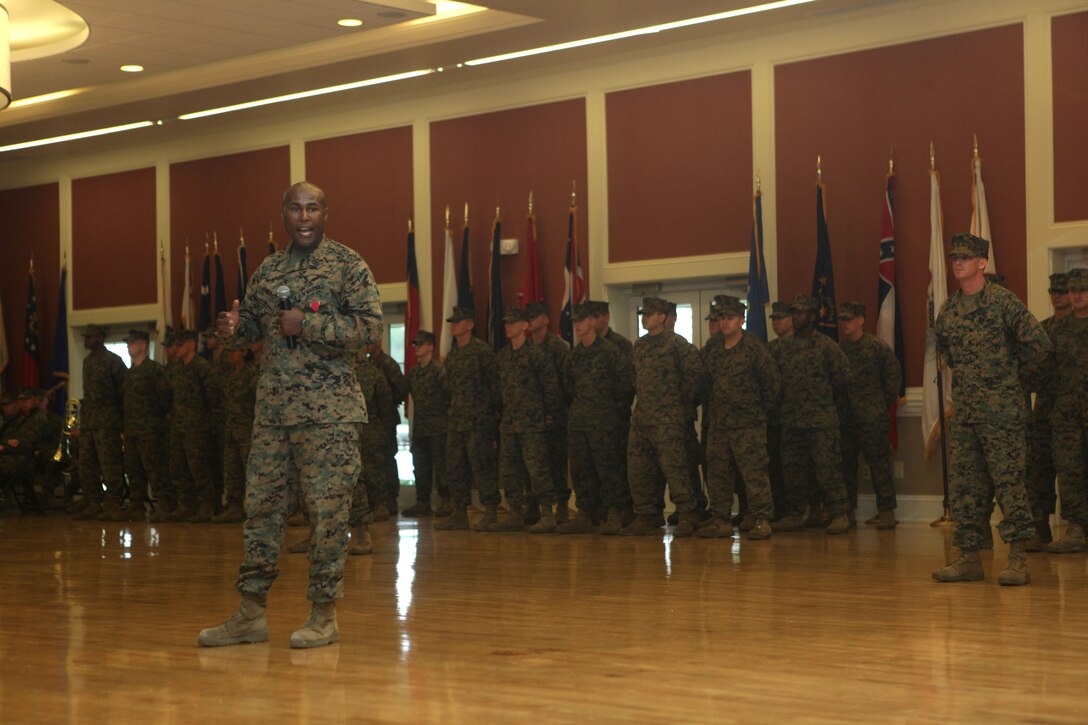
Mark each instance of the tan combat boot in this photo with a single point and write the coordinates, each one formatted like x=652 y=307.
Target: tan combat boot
x=966 y=568
x=685 y=525
x=491 y=517
x=562 y=513
x=1072 y=543
x=1041 y=537
x=380 y=513
x=361 y=543
x=320 y=629
x=840 y=524
x=886 y=519
x=248 y=625
x=300 y=547
x=546 y=524
x=202 y=515
x=445 y=508
x=232 y=514
x=1015 y=574
x=761 y=530
x=789 y=523
x=456 y=521
x=419 y=510
x=716 y=527
x=747 y=523
x=616 y=520
x=512 y=521
x=582 y=523
x=873 y=520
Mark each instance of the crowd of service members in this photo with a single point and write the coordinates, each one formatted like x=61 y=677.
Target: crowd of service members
x=782 y=427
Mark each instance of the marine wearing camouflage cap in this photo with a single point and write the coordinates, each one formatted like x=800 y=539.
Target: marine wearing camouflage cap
x=968 y=245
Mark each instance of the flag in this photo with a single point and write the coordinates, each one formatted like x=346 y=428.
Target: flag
x=889 y=326
x=164 y=293
x=449 y=297
x=980 y=214
x=205 y=317
x=187 y=318
x=759 y=295
x=243 y=269
x=411 y=318
x=220 y=285
x=464 y=281
x=575 y=290
x=271 y=244
x=60 y=349
x=496 y=328
x=935 y=297
x=531 y=291
x=5 y=358
x=31 y=368
x=823 y=275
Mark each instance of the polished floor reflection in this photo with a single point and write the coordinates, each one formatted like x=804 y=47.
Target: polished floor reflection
x=98 y=624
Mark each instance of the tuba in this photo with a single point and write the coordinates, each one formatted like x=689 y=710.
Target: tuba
x=63 y=454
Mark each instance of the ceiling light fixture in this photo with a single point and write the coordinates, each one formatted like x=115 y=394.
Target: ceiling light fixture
x=649 y=30
x=75 y=136
x=132 y=68
x=306 y=94
x=45 y=98
x=5 y=60
x=349 y=22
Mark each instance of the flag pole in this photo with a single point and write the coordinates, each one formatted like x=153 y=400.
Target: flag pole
x=946 y=517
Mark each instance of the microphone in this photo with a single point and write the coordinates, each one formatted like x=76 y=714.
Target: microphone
x=284 y=293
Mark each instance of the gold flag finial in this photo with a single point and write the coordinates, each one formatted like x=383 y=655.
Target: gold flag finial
x=447 y=216
x=932 y=158
x=497 y=209
x=975 y=146
x=819 y=169
x=573 y=192
x=241 y=237
x=530 y=202
x=891 y=160
x=466 y=213
x=162 y=250
x=215 y=242
x=759 y=185
x=409 y=225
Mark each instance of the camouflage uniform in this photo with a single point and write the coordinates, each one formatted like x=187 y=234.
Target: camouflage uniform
x=599 y=380
x=146 y=392
x=744 y=384
x=557 y=352
x=986 y=339
x=1069 y=415
x=371 y=489
x=220 y=372
x=668 y=378
x=774 y=450
x=100 y=456
x=1040 y=452
x=398 y=385
x=308 y=407
x=475 y=400
x=814 y=372
x=193 y=429
x=239 y=401
x=430 y=402
x=875 y=375
x=33 y=433
x=530 y=395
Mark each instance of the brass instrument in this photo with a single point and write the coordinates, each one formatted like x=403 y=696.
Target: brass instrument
x=65 y=447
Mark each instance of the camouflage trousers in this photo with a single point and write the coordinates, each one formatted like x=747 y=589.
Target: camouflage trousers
x=369 y=489
x=101 y=461
x=524 y=459
x=985 y=460
x=657 y=454
x=1071 y=457
x=145 y=464
x=17 y=469
x=237 y=440
x=737 y=458
x=598 y=467
x=471 y=458
x=191 y=467
x=558 y=457
x=870 y=440
x=695 y=464
x=809 y=453
x=429 y=462
x=324 y=460
x=392 y=473
x=774 y=469
x=1041 y=470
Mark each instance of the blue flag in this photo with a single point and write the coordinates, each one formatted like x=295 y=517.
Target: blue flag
x=759 y=295
x=823 y=276
x=496 y=328
x=464 y=279
x=60 y=350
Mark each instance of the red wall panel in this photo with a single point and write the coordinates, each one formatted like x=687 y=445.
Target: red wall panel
x=223 y=195
x=497 y=159
x=680 y=168
x=1069 y=51
x=31 y=228
x=367 y=179
x=854 y=109
x=114 y=250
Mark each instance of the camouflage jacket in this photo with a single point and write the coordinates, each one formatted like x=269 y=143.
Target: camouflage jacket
x=774 y=413
x=240 y=396
x=557 y=351
x=1044 y=399
x=147 y=400
x=530 y=389
x=814 y=373
x=619 y=341
x=379 y=398
x=989 y=340
x=220 y=373
x=398 y=383
x=315 y=382
x=430 y=399
x=875 y=376
x=744 y=383
x=600 y=381
x=34 y=433
x=1069 y=379
x=103 y=376
x=668 y=379
x=190 y=411
x=472 y=376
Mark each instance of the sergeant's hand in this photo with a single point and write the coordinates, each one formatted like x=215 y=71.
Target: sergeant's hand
x=227 y=322
x=12 y=443
x=290 y=322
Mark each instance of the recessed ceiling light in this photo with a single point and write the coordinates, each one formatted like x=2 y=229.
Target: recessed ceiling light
x=132 y=68
x=75 y=61
x=349 y=22
x=75 y=136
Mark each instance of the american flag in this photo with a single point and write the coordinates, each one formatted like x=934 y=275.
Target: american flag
x=572 y=273
x=889 y=326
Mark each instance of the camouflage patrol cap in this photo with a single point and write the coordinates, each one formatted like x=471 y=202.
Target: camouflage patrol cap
x=94 y=330
x=802 y=303
x=850 y=310
x=26 y=393
x=134 y=335
x=670 y=309
x=423 y=337
x=184 y=336
x=582 y=310
x=536 y=309
x=462 y=313
x=968 y=245
x=715 y=304
x=779 y=309
x=1059 y=283
x=1077 y=279
x=650 y=305
x=599 y=307
x=729 y=306
x=7 y=398
x=170 y=339
x=515 y=314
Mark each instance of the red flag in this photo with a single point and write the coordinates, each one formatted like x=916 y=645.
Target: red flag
x=411 y=318
x=889 y=326
x=532 y=290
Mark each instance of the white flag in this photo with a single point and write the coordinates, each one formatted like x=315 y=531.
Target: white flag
x=188 y=319
x=935 y=297
x=449 y=298
x=980 y=215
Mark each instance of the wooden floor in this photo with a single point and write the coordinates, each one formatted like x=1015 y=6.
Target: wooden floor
x=98 y=624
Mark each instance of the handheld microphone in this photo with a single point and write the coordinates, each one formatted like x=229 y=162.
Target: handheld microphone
x=284 y=293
